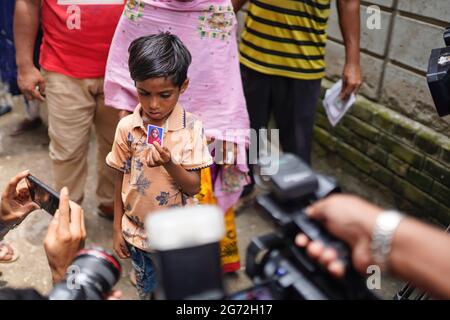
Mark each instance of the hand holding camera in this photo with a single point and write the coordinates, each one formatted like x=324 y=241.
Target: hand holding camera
x=341 y=215
x=65 y=236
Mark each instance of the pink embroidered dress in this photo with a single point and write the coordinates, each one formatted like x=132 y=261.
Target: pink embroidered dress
x=215 y=95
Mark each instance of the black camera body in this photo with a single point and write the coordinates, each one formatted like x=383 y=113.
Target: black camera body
x=187 y=253
x=274 y=261
x=438 y=76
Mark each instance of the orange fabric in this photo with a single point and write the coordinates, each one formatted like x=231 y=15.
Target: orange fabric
x=145 y=189
x=229 y=252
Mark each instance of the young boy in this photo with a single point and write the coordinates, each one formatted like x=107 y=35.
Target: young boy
x=151 y=177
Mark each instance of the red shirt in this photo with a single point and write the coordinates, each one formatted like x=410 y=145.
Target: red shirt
x=77 y=36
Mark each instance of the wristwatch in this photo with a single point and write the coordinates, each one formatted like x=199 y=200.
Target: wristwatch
x=383 y=232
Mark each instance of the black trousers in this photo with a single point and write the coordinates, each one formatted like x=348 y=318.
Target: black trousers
x=293 y=102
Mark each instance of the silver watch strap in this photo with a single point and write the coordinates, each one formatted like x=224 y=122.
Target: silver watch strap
x=383 y=232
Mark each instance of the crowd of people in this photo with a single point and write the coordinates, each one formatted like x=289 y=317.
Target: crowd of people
x=175 y=66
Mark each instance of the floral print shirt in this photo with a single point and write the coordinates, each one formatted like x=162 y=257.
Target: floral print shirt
x=145 y=189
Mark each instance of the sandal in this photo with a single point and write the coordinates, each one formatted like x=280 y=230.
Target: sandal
x=7 y=250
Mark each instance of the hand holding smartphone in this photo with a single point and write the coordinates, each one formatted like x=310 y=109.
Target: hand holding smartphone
x=44 y=196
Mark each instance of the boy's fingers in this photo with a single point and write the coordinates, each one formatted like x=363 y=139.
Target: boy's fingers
x=150 y=158
x=147 y=157
x=156 y=158
x=158 y=147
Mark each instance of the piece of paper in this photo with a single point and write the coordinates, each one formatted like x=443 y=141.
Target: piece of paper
x=334 y=106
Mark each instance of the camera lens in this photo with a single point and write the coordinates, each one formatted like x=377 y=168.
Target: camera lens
x=93 y=273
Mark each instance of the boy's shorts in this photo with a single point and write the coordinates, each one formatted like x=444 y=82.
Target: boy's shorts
x=145 y=271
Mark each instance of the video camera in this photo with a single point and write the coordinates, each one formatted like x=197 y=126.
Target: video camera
x=438 y=76
x=188 y=255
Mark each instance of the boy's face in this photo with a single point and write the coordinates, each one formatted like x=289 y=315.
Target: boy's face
x=158 y=97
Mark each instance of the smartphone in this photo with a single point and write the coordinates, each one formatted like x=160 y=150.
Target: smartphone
x=44 y=196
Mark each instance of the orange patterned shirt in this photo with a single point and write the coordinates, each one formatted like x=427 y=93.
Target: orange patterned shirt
x=146 y=189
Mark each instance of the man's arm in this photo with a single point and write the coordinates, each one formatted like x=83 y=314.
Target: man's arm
x=237 y=4
x=26 y=25
x=419 y=252
x=349 y=22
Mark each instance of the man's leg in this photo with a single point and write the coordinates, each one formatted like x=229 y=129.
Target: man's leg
x=256 y=91
x=71 y=108
x=106 y=120
x=295 y=103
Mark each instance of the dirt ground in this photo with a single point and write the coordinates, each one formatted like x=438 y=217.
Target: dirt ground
x=30 y=151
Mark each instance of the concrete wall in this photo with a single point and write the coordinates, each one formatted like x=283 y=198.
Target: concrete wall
x=398 y=156
x=394 y=139
x=395 y=58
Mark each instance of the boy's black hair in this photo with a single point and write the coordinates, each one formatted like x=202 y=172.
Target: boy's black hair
x=159 y=55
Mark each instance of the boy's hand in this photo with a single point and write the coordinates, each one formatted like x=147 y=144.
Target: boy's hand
x=158 y=156
x=120 y=246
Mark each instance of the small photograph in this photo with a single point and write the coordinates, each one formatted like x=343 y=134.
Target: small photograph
x=155 y=133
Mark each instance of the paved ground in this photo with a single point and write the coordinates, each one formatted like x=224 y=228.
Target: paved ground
x=30 y=151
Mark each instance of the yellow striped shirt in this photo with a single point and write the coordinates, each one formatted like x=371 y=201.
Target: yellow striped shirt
x=286 y=37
